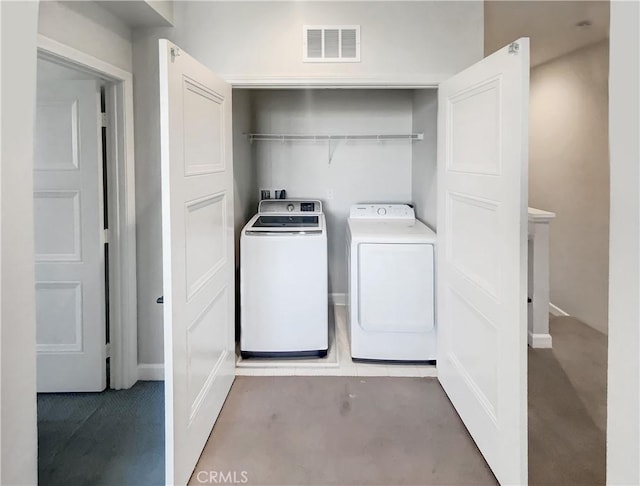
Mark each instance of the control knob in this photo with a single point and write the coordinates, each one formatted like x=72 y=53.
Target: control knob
x=290 y=207
x=382 y=211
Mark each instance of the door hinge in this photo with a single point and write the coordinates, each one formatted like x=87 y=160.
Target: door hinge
x=175 y=52
x=105 y=235
x=514 y=48
x=107 y=348
x=103 y=120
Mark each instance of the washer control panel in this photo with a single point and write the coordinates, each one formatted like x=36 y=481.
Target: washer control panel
x=289 y=206
x=382 y=211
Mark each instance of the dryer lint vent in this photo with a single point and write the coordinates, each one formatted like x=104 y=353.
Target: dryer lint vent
x=331 y=43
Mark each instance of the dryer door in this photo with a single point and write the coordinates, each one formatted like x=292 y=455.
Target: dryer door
x=396 y=283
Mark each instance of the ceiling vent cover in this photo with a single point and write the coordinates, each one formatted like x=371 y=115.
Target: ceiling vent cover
x=331 y=43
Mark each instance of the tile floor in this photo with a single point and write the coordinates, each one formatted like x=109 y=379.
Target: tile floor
x=337 y=363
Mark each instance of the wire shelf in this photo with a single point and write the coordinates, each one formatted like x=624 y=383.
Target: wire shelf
x=273 y=137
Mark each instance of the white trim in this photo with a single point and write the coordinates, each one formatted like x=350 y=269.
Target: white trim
x=57 y=52
x=338 y=299
x=151 y=372
x=1 y=401
x=557 y=311
x=121 y=184
x=346 y=81
x=539 y=340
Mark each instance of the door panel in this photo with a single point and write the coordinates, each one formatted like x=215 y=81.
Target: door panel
x=198 y=260
x=482 y=254
x=68 y=226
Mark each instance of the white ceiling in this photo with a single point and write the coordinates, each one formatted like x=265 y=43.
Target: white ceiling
x=549 y=24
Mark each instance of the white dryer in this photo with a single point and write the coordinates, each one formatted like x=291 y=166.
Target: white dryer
x=283 y=281
x=391 y=270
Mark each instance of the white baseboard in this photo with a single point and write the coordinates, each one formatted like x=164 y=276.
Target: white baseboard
x=151 y=372
x=338 y=299
x=557 y=311
x=539 y=340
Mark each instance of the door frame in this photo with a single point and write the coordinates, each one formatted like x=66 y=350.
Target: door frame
x=432 y=82
x=123 y=322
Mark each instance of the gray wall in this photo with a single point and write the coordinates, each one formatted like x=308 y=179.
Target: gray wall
x=18 y=433
x=264 y=39
x=88 y=27
x=245 y=170
x=569 y=175
x=362 y=171
x=148 y=203
x=424 y=155
x=623 y=379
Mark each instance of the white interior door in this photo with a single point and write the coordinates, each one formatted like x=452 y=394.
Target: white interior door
x=69 y=238
x=198 y=258
x=482 y=254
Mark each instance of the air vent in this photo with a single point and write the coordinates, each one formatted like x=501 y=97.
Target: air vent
x=331 y=43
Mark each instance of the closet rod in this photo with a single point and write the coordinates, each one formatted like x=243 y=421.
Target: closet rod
x=320 y=138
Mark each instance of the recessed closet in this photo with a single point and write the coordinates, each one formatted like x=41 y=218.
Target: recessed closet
x=342 y=146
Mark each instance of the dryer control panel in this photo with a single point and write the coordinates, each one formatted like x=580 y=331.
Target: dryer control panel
x=382 y=211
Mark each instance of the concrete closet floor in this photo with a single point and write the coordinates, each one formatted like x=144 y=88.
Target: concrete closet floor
x=325 y=430
x=348 y=431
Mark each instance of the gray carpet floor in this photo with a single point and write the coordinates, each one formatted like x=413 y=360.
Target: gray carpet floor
x=109 y=438
x=568 y=406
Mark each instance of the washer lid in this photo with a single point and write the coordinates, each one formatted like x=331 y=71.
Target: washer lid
x=285 y=224
x=285 y=221
x=390 y=231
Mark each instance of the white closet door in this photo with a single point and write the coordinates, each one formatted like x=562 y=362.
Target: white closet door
x=482 y=254
x=198 y=258
x=69 y=242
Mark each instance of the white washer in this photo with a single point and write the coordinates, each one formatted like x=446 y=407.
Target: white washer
x=283 y=281
x=391 y=298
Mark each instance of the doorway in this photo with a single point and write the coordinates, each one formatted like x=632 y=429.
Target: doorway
x=569 y=181
x=500 y=437
x=88 y=412
x=118 y=206
x=569 y=175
